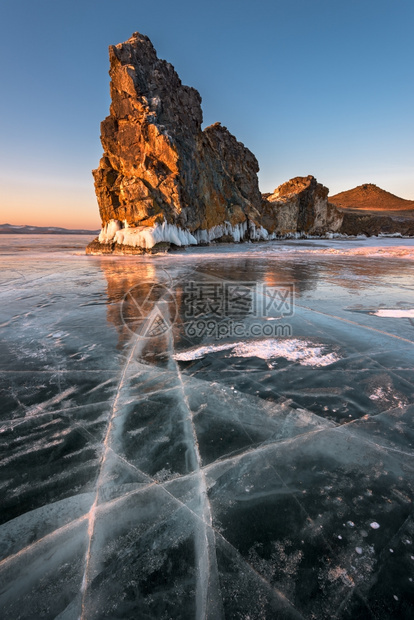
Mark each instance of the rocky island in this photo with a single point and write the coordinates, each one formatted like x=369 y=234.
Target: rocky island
x=163 y=180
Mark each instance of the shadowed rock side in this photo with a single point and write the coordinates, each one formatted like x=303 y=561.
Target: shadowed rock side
x=373 y=224
x=300 y=206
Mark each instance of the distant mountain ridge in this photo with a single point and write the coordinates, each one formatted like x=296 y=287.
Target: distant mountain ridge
x=13 y=229
x=369 y=197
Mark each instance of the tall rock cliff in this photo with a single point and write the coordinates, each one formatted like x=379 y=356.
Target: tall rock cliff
x=162 y=179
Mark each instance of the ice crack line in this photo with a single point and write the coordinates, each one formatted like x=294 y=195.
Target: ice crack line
x=242 y=560
x=372 y=329
x=106 y=449
x=207 y=569
x=67 y=526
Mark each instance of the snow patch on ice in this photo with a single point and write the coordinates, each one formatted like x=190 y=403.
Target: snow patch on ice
x=136 y=431
x=199 y=352
x=408 y=313
x=294 y=350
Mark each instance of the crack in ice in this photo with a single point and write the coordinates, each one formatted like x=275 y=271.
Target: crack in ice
x=207 y=561
x=92 y=511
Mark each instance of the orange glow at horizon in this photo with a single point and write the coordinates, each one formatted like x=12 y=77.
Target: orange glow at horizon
x=65 y=207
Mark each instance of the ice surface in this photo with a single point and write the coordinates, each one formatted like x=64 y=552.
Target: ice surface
x=191 y=474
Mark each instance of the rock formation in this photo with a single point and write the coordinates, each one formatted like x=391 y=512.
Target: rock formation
x=374 y=224
x=163 y=180
x=300 y=206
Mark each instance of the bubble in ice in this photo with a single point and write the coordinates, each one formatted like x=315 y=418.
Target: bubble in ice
x=374 y=525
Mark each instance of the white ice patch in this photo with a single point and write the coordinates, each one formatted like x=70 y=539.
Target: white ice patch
x=258 y=233
x=397 y=314
x=145 y=236
x=108 y=232
x=291 y=349
x=238 y=232
x=226 y=229
x=199 y=352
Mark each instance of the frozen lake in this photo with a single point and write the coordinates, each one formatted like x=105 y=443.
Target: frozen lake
x=215 y=433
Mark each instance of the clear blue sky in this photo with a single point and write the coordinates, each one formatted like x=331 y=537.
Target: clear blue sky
x=322 y=87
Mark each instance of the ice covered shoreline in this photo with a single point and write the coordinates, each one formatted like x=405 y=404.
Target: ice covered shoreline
x=301 y=246
x=147 y=237
x=338 y=247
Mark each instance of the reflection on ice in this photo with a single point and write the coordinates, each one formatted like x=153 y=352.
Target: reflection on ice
x=179 y=476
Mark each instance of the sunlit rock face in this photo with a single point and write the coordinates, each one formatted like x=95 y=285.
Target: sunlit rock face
x=163 y=180
x=159 y=169
x=300 y=206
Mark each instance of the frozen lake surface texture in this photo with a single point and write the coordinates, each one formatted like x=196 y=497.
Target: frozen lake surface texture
x=215 y=433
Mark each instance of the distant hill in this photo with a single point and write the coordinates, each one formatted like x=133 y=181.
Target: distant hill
x=11 y=229
x=369 y=197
